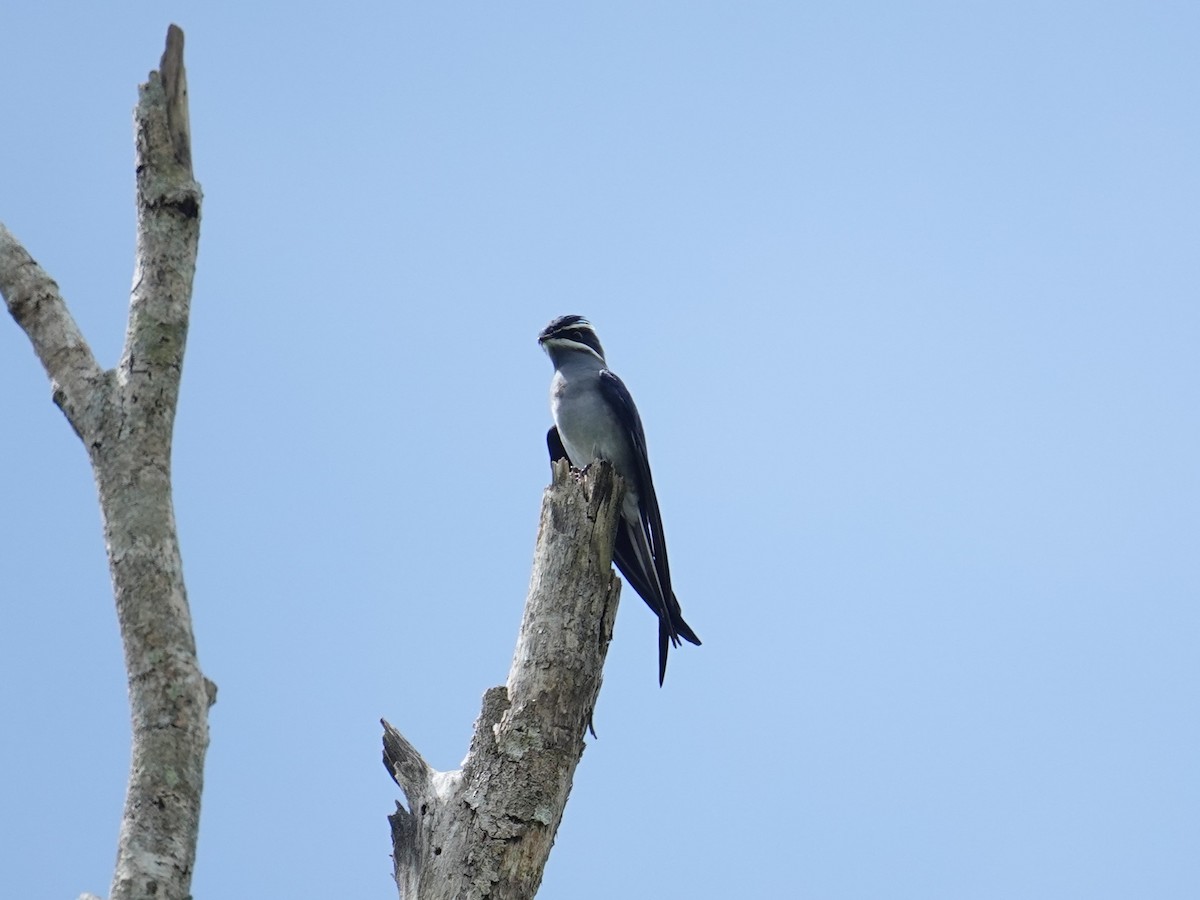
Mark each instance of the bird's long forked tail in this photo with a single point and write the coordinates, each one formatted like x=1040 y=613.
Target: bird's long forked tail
x=671 y=626
x=666 y=639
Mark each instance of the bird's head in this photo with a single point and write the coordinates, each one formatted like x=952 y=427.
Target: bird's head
x=567 y=333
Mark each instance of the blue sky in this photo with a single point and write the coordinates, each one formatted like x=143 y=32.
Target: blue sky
x=907 y=295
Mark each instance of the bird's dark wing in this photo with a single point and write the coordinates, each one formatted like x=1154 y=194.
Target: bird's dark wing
x=671 y=624
x=555 y=445
x=614 y=391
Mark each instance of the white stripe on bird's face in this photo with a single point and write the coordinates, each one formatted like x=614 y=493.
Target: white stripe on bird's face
x=566 y=343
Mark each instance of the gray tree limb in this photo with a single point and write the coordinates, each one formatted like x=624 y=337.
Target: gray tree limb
x=125 y=417
x=36 y=305
x=486 y=829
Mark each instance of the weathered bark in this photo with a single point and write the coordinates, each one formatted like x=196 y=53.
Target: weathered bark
x=486 y=829
x=125 y=417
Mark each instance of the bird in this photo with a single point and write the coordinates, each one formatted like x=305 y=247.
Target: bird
x=595 y=418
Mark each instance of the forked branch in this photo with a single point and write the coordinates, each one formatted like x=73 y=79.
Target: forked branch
x=125 y=418
x=486 y=829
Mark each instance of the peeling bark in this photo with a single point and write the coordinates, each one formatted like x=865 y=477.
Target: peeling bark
x=125 y=417
x=486 y=830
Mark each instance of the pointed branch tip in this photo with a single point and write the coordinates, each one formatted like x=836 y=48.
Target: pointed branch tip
x=174 y=80
x=404 y=763
x=174 y=42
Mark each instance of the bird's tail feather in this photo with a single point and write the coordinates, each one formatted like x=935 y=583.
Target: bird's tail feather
x=682 y=628
x=664 y=643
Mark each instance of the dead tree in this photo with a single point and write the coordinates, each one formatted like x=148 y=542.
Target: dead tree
x=485 y=831
x=125 y=418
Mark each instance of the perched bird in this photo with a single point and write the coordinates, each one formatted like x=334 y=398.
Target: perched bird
x=595 y=418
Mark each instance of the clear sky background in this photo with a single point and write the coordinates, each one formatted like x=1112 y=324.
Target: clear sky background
x=909 y=297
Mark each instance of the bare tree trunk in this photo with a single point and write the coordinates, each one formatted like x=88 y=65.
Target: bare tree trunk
x=486 y=829
x=125 y=417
